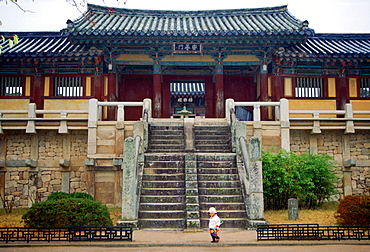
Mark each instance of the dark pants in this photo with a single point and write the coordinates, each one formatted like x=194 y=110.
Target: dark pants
x=214 y=235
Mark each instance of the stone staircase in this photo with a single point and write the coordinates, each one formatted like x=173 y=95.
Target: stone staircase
x=219 y=187
x=162 y=201
x=163 y=195
x=166 y=138
x=211 y=138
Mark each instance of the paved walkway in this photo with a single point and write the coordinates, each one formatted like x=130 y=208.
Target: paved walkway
x=186 y=241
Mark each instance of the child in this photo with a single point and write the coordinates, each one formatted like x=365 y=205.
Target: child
x=214 y=224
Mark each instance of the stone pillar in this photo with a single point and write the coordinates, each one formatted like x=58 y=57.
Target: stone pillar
x=256 y=205
x=292 y=209
x=284 y=124
x=347 y=164
x=191 y=192
x=219 y=91
x=189 y=134
x=129 y=185
x=313 y=144
x=157 y=90
x=65 y=164
x=92 y=126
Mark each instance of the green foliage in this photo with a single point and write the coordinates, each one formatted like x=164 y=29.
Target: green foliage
x=310 y=178
x=65 y=210
x=63 y=195
x=58 y=196
x=354 y=211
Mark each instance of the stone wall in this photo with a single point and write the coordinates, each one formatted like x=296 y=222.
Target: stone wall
x=32 y=166
x=31 y=170
x=350 y=151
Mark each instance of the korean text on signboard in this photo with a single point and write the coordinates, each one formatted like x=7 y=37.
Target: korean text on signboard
x=187 y=48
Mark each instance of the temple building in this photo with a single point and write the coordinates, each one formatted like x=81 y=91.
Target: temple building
x=71 y=99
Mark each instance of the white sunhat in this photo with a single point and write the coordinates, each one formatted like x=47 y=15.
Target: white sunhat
x=212 y=210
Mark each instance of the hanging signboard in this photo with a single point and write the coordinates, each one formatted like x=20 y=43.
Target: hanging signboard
x=179 y=47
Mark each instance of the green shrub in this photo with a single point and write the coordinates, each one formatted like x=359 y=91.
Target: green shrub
x=310 y=178
x=354 y=211
x=58 y=196
x=66 y=212
x=80 y=195
x=63 y=195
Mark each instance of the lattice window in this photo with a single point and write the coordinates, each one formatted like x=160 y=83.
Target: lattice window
x=365 y=87
x=11 y=86
x=68 y=86
x=309 y=87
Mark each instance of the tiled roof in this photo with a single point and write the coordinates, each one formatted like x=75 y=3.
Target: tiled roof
x=331 y=45
x=179 y=88
x=42 y=44
x=101 y=21
x=55 y=44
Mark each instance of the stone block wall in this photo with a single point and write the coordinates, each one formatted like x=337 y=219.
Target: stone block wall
x=31 y=169
x=350 y=151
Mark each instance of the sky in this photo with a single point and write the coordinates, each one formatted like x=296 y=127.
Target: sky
x=324 y=16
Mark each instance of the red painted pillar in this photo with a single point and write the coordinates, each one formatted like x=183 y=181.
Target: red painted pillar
x=277 y=88
x=219 y=91
x=37 y=91
x=264 y=91
x=342 y=92
x=111 y=94
x=157 y=90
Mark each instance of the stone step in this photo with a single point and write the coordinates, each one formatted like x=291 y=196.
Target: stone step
x=165 y=148
x=163 y=157
x=225 y=206
x=161 y=207
x=216 y=164
x=163 y=191
x=218 y=184
x=170 y=214
x=166 y=128
x=224 y=147
x=172 y=224
x=162 y=199
x=224 y=129
x=217 y=177
x=216 y=170
x=163 y=133
x=164 y=177
x=221 y=191
x=162 y=140
x=220 y=198
x=213 y=141
x=163 y=184
x=155 y=169
x=217 y=157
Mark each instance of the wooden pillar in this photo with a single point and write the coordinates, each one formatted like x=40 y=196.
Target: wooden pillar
x=37 y=91
x=277 y=88
x=264 y=91
x=111 y=94
x=157 y=90
x=342 y=92
x=219 y=89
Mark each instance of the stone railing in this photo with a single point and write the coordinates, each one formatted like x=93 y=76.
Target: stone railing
x=33 y=115
x=96 y=109
x=32 y=119
x=316 y=120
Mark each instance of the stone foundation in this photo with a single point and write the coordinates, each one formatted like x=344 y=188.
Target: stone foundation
x=32 y=166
